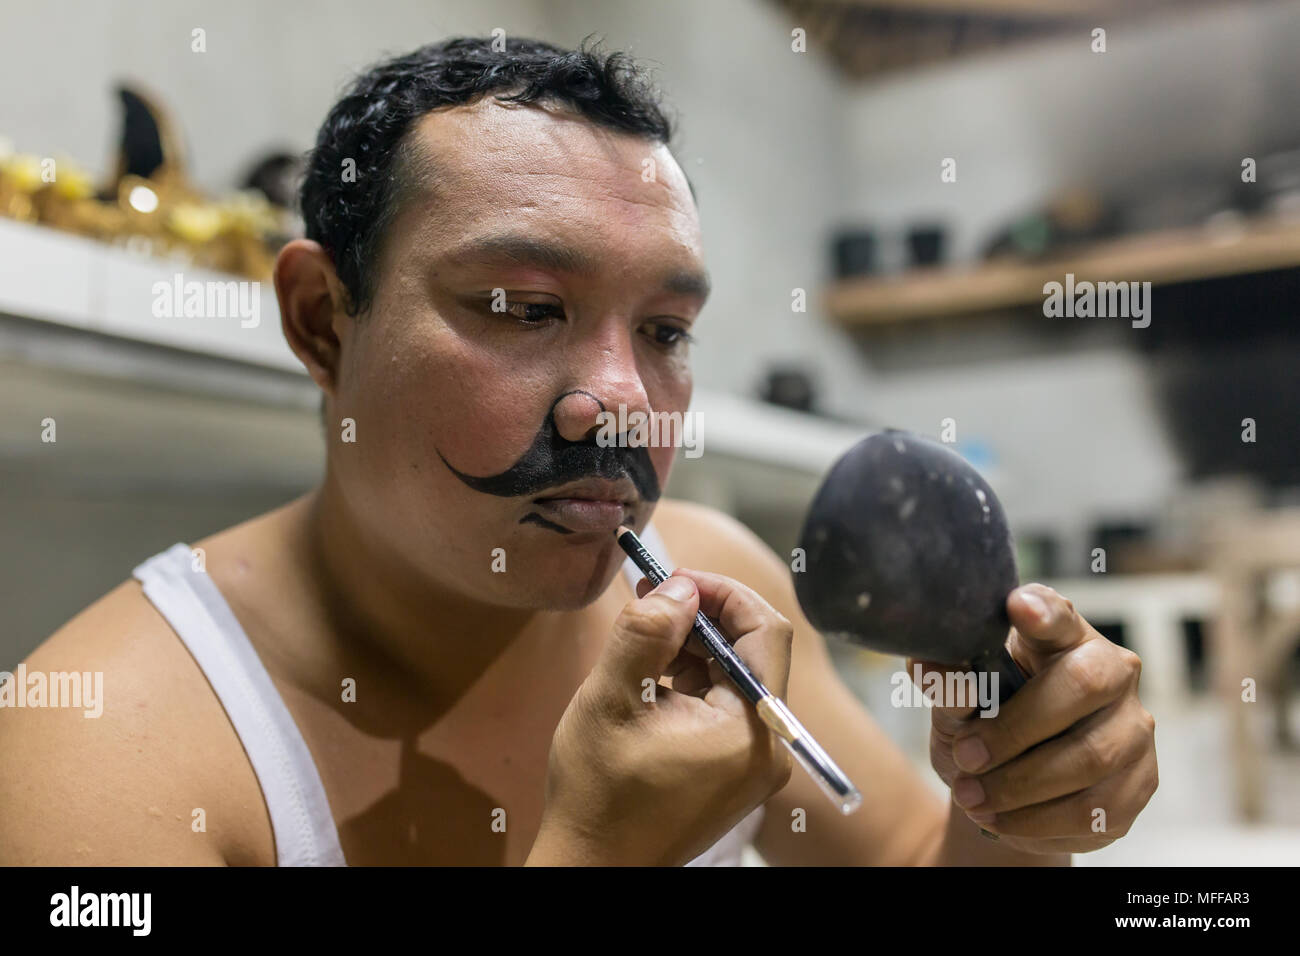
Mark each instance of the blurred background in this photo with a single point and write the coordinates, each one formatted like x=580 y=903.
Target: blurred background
x=885 y=187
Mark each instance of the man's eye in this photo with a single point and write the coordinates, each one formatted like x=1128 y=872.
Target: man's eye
x=532 y=313
x=670 y=335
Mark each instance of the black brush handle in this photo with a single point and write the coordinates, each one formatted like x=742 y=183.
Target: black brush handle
x=1010 y=677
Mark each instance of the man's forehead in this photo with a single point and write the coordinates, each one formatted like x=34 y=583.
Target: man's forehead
x=494 y=152
x=546 y=188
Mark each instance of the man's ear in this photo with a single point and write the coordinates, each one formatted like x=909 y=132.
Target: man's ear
x=311 y=297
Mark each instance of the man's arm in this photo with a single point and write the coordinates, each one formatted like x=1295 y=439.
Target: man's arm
x=118 y=789
x=901 y=821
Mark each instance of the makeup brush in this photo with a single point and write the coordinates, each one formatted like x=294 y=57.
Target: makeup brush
x=771 y=709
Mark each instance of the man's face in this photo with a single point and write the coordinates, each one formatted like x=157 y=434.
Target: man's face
x=466 y=417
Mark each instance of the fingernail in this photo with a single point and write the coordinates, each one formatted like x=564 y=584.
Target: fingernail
x=1037 y=605
x=982 y=817
x=678 y=589
x=970 y=754
x=968 y=793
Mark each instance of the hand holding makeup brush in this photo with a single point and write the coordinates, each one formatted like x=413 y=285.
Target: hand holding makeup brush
x=633 y=781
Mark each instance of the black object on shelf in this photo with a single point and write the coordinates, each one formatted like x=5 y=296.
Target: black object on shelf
x=788 y=387
x=855 y=253
x=141 y=144
x=925 y=244
x=1073 y=218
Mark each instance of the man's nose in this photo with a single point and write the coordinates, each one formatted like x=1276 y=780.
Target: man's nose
x=604 y=377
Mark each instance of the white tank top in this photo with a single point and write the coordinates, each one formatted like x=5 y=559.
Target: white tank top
x=305 y=834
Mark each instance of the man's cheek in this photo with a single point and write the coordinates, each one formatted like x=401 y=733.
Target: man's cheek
x=480 y=437
x=480 y=414
x=662 y=458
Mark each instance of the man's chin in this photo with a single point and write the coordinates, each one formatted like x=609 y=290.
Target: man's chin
x=577 y=592
x=572 y=580
x=555 y=595
x=562 y=605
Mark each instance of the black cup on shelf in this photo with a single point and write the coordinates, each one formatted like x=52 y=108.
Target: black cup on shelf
x=925 y=244
x=855 y=253
x=788 y=387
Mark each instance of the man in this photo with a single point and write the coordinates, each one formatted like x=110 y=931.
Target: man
x=432 y=657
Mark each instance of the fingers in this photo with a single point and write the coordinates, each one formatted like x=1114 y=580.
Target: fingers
x=946 y=720
x=1046 y=621
x=760 y=634
x=694 y=679
x=1070 y=688
x=647 y=637
x=693 y=646
x=1104 y=743
x=1103 y=811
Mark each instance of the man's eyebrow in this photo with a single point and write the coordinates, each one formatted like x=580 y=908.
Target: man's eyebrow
x=525 y=250
x=688 y=282
x=558 y=257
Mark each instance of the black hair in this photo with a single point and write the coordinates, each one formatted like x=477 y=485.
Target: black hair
x=368 y=126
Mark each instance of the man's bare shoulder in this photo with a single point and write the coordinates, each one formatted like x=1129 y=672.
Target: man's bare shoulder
x=117 y=780
x=705 y=539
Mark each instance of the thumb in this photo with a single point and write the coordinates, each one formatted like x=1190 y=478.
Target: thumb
x=647 y=637
x=1045 y=622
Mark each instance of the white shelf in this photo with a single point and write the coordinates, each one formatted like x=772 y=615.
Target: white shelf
x=67 y=280
x=743 y=428
x=57 y=277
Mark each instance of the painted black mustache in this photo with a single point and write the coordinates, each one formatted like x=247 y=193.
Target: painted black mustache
x=552 y=460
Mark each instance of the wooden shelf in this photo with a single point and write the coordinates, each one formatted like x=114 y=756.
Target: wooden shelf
x=1160 y=258
x=866 y=38
x=1029 y=9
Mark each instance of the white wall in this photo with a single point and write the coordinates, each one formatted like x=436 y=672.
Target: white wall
x=1075 y=433
x=759 y=123
x=270 y=72
x=1209 y=87
x=779 y=150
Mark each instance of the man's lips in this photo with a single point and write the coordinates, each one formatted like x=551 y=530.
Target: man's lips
x=597 y=505
x=584 y=514
x=594 y=489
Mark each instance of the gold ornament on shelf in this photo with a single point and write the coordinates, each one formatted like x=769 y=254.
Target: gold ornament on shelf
x=149 y=204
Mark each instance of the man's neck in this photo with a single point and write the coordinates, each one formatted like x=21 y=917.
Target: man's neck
x=380 y=606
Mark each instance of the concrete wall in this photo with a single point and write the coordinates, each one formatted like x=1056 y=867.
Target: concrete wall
x=1203 y=89
x=1070 y=423
x=779 y=150
x=759 y=124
